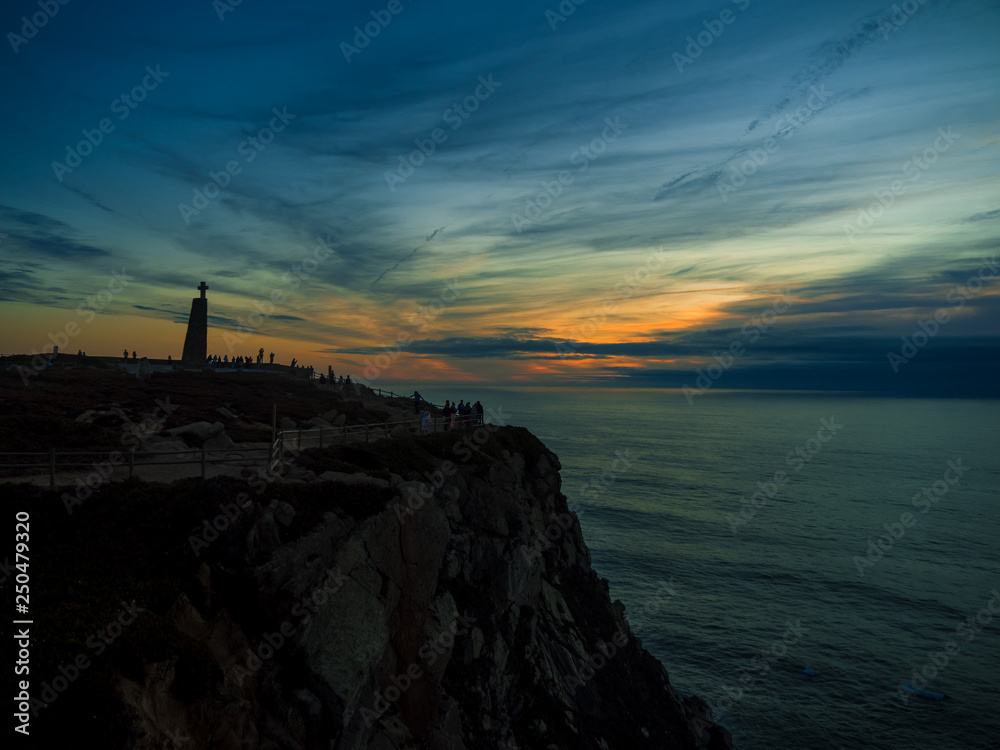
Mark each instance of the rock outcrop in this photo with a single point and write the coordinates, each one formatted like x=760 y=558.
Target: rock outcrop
x=462 y=614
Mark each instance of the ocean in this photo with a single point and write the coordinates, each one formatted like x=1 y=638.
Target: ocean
x=755 y=535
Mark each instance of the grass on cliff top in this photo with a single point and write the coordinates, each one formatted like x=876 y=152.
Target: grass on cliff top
x=130 y=541
x=42 y=415
x=412 y=457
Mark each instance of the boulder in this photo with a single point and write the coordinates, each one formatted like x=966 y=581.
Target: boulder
x=317 y=422
x=343 y=644
x=352 y=479
x=286 y=423
x=201 y=430
x=284 y=514
x=226 y=413
x=330 y=415
x=219 y=442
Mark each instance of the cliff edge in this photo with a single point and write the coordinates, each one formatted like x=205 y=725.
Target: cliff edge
x=431 y=592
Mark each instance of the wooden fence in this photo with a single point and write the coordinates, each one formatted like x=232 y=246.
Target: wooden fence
x=270 y=457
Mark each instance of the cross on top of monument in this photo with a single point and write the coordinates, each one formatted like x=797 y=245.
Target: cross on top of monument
x=203 y=287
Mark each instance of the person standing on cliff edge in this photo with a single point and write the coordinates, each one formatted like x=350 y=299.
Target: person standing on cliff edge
x=417 y=398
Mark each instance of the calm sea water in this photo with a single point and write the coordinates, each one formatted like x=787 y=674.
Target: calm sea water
x=736 y=611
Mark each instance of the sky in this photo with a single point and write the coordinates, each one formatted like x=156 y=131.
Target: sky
x=695 y=195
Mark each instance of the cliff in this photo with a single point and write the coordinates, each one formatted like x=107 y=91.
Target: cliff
x=431 y=592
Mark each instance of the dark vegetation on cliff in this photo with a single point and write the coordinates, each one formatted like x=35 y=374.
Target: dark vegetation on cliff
x=458 y=578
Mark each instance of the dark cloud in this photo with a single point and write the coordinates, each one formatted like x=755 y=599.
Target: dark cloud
x=983 y=216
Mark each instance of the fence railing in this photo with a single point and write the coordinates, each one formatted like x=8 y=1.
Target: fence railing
x=318 y=437
x=106 y=463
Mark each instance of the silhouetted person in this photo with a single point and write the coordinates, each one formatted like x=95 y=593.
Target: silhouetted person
x=417 y=398
x=272 y=358
x=125 y=355
x=478 y=407
x=133 y=355
x=293 y=362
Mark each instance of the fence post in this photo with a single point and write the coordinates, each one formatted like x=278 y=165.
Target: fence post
x=203 y=462
x=52 y=468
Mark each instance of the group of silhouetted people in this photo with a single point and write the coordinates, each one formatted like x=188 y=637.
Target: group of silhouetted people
x=462 y=414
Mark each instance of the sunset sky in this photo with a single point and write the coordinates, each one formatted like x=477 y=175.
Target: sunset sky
x=511 y=193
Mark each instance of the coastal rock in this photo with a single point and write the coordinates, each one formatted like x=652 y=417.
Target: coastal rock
x=218 y=442
x=352 y=479
x=458 y=614
x=200 y=430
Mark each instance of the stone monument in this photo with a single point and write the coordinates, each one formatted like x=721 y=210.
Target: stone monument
x=196 y=341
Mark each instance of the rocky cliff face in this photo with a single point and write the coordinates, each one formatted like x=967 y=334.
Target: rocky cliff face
x=462 y=614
